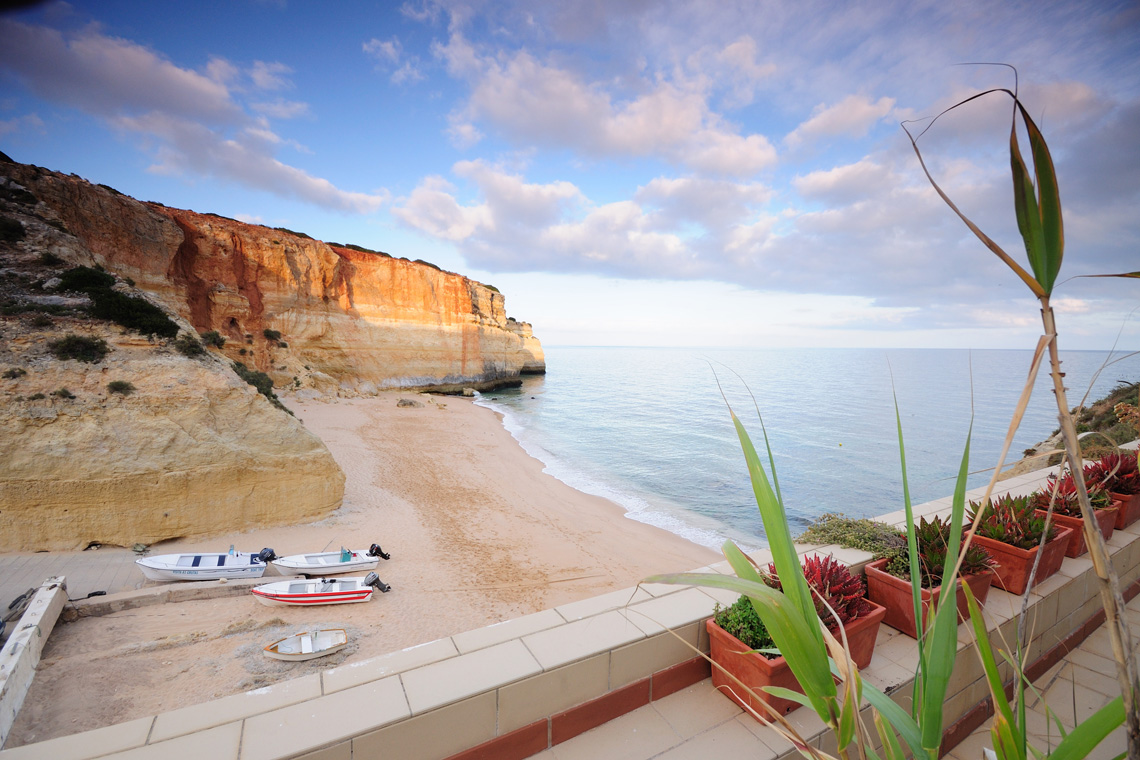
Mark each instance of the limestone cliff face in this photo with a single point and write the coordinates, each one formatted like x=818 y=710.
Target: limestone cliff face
x=192 y=452
x=349 y=321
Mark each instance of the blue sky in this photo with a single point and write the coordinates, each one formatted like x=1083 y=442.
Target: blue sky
x=626 y=173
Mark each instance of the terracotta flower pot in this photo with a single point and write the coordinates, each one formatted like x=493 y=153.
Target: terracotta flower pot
x=1105 y=518
x=894 y=593
x=757 y=671
x=1014 y=564
x=1128 y=508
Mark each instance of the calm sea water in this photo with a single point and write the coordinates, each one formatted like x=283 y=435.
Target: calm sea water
x=648 y=428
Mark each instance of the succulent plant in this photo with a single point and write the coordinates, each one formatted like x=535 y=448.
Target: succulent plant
x=1011 y=520
x=1115 y=472
x=933 y=538
x=1065 y=502
x=832 y=582
x=829 y=579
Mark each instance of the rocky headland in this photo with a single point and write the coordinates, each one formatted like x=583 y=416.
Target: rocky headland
x=161 y=435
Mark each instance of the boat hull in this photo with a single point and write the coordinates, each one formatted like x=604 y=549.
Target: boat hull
x=324 y=563
x=313 y=593
x=201 y=567
x=308 y=645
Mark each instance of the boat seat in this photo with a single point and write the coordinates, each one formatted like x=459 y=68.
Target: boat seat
x=306 y=645
x=197 y=561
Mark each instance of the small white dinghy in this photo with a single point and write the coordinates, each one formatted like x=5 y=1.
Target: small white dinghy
x=308 y=645
x=331 y=563
x=319 y=591
x=205 y=567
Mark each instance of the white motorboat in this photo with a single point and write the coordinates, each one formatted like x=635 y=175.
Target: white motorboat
x=205 y=567
x=300 y=593
x=331 y=563
x=308 y=645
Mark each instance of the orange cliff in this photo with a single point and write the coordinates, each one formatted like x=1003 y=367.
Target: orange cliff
x=349 y=321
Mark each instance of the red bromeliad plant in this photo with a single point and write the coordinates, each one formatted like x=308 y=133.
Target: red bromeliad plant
x=834 y=587
x=1062 y=494
x=1117 y=473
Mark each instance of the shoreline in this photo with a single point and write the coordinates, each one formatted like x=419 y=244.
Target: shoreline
x=478 y=534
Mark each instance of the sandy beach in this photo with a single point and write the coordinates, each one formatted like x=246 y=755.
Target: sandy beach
x=477 y=532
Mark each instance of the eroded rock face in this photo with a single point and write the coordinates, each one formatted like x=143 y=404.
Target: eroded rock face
x=191 y=452
x=347 y=320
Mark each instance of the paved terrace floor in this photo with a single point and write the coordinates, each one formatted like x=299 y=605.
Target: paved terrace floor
x=699 y=723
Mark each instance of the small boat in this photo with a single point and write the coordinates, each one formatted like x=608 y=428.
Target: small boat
x=308 y=645
x=205 y=567
x=331 y=563
x=319 y=591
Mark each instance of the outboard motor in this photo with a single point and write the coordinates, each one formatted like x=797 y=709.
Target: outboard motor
x=376 y=551
x=372 y=579
x=267 y=555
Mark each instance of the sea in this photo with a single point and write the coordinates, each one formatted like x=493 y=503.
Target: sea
x=650 y=428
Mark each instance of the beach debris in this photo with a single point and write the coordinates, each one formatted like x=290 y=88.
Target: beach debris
x=409 y=402
x=140 y=548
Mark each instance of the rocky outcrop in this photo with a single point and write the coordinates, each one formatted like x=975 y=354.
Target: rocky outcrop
x=307 y=313
x=191 y=451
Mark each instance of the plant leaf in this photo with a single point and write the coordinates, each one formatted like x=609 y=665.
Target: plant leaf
x=1090 y=732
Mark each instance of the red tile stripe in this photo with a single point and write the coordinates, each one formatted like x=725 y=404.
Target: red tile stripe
x=543 y=734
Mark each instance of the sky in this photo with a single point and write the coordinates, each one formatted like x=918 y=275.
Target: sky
x=626 y=173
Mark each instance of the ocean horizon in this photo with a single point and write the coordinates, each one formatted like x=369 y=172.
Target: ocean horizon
x=649 y=429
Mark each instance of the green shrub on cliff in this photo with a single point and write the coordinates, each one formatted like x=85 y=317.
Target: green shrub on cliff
x=261 y=381
x=11 y=230
x=136 y=314
x=79 y=348
x=188 y=345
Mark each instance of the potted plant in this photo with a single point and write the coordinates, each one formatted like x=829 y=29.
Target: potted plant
x=1011 y=530
x=1062 y=494
x=1119 y=475
x=889 y=580
x=738 y=638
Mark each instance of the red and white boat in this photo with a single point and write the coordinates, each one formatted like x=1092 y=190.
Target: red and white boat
x=319 y=591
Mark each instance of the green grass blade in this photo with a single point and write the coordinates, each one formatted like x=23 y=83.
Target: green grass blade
x=779 y=536
x=1052 y=225
x=912 y=556
x=986 y=652
x=899 y=719
x=1090 y=732
x=1025 y=206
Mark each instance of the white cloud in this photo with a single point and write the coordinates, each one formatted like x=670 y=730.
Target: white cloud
x=26 y=123
x=851 y=117
x=548 y=105
x=200 y=127
x=282 y=109
x=384 y=50
x=270 y=76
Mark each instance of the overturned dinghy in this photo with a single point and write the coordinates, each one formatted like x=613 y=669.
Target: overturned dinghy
x=331 y=563
x=308 y=645
x=205 y=567
x=319 y=591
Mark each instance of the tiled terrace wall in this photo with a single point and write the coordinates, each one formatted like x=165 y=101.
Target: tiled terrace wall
x=513 y=689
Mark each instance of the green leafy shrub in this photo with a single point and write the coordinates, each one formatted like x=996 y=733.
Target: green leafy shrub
x=271 y=334
x=86 y=280
x=49 y=259
x=11 y=231
x=79 y=348
x=741 y=621
x=122 y=387
x=282 y=344
x=36 y=397
x=42 y=320
x=133 y=313
x=854 y=533
x=14 y=372
x=213 y=338
x=292 y=232
x=261 y=381
x=63 y=393
x=188 y=345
